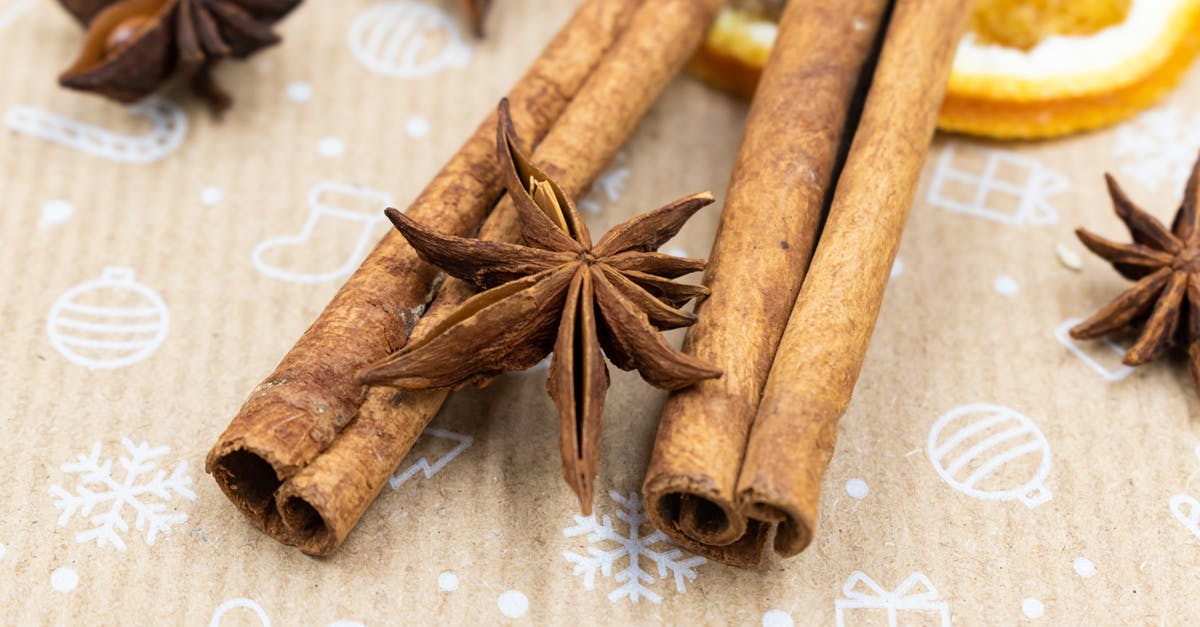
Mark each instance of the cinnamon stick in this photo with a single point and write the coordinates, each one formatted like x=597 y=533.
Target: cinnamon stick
x=823 y=346
x=320 y=504
x=298 y=411
x=822 y=350
x=769 y=225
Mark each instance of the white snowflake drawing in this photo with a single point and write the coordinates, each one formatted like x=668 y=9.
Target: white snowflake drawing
x=632 y=546
x=144 y=488
x=1159 y=147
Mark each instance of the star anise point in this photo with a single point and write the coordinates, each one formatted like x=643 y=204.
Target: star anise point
x=556 y=293
x=132 y=47
x=1165 y=263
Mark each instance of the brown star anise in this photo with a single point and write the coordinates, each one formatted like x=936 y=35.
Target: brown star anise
x=1165 y=301
x=556 y=293
x=475 y=11
x=132 y=47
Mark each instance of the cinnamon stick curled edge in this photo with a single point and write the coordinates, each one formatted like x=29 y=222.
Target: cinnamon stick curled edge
x=769 y=225
x=823 y=348
x=302 y=407
x=789 y=439
x=320 y=504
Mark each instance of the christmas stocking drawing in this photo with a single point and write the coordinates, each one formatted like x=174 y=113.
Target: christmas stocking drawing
x=333 y=240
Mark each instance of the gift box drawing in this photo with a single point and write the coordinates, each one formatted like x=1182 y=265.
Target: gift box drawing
x=997 y=185
x=914 y=602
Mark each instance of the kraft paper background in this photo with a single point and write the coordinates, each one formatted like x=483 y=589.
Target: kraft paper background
x=155 y=264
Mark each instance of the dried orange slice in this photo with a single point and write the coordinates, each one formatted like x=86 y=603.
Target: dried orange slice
x=1027 y=69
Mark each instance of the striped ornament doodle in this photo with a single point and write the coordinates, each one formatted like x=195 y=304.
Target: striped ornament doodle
x=108 y=322
x=406 y=39
x=991 y=452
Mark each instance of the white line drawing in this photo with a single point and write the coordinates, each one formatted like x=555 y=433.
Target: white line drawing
x=145 y=488
x=231 y=604
x=609 y=186
x=422 y=465
x=318 y=208
x=633 y=546
x=55 y=211
x=169 y=120
x=406 y=39
x=64 y=579
x=980 y=193
x=916 y=594
x=1159 y=147
x=1063 y=335
x=109 y=322
x=14 y=10
x=1186 y=510
x=989 y=444
x=513 y=603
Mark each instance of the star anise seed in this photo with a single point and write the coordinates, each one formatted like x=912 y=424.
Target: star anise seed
x=556 y=293
x=1165 y=263
x=132 y=47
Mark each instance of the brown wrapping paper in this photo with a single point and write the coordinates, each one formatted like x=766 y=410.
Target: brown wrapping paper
x=969 y=317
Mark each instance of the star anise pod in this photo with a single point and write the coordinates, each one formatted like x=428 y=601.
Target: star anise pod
x=1165 y=300
x=475 y=11
x=556 y=293
x=132 y=47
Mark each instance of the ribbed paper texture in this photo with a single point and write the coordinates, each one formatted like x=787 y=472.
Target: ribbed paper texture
x=141 y=302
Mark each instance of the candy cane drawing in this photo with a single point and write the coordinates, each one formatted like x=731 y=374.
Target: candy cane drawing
x=169 y=129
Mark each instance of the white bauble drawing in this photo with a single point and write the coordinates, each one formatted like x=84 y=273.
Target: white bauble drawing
x=241 y=603
x=108 y=322
x=168 y=131
x=407 y=39
x=991 y=452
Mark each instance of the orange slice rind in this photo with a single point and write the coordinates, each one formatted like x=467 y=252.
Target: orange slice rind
x=1063 y=84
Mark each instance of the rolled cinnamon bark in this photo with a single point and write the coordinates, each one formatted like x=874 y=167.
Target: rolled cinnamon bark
x=797 y=125
x=823 y=348
x=298 y=411
x=321 y=504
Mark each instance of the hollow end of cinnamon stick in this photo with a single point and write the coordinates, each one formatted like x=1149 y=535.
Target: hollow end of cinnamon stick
x=793 y=529
x=700 y=514
x=250 y=481
x=693 y=520
x=705 y=520
x=307 y=528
